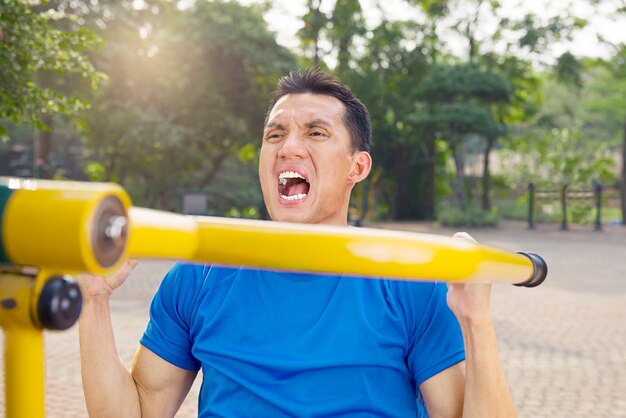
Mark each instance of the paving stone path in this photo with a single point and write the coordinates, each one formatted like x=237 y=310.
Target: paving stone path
x=563 y=344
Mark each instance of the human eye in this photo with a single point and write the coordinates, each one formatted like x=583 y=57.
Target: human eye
x=318 y=133
x=273 y=136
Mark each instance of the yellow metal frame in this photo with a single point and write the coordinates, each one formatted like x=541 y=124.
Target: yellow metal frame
x=54 y=226
x=48 y=227
x=23 y=352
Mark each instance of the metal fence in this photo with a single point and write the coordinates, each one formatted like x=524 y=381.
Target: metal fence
x=598 y=196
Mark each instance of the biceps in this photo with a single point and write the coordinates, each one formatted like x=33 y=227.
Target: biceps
x=443 y=393
x=162 y=387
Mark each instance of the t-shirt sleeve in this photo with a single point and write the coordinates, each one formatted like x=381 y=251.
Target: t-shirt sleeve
x=168 y=332
x=435 y=338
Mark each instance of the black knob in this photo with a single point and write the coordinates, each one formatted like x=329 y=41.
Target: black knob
x=60 y=303
x=540 y=270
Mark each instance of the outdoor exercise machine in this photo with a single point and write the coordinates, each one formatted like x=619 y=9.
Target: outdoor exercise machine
x=52 y=230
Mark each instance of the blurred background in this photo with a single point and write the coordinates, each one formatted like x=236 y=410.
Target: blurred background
x=471 y=101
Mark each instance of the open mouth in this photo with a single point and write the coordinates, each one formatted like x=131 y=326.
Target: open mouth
x=292 y=186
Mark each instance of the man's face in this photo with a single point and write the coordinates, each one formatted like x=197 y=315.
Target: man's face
x=306 y=167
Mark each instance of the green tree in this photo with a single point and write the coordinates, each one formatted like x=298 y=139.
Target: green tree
x=187 y=90
x=573 y=137
x=500 y=50
x=366 y=58
x=347 y=24
x=33 y=50
x=604 y=111
x=460 y=100
x=385 y=76
x=558 y=156
x=314 y=23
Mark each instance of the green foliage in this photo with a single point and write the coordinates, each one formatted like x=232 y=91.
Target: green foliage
x=347 y=23
x=581 y=212
x=236 y=186
x=472 y=217
x=95 y=171
x=575 y=135
x=418 y=92
x=453 y=120
x=462 y=83
x=183 y=97
x=187 y=90
x=445 y=178
x=568 y=69
x=384 y=77
x=574 y=138
x=433 y=8
x=603 y=108
x=314 y=21
x=558 y=156
x=538 y=32
x=248 y=154
x=512 y=208
x=460 y=102
x=248 y=213
x=32 y=50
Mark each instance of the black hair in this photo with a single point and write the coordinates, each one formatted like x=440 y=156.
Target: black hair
x=313 y=80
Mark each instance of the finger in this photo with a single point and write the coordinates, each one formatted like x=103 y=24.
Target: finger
x=127 y=267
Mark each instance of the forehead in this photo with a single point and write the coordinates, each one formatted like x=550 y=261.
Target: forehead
x=306 y=106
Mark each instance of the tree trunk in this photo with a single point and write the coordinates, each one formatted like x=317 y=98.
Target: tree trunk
x=43 y=147
x=316 y=55
x=165 y=200
x=459 y=187
x=316 y=10
x=402 y=193
x=623 y=178
x=430 y=172
x=216 y=165
x=486 y=180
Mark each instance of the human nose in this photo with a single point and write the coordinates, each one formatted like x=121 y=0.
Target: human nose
x=292 y=147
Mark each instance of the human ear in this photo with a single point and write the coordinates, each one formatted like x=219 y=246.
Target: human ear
x=361 y=166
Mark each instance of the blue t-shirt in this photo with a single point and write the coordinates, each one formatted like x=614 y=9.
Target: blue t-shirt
x=276 y=344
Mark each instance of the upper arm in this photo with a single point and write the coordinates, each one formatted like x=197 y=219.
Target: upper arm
x=161 y=386
x=443 y=393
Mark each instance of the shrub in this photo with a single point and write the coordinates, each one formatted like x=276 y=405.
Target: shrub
x=454 y=216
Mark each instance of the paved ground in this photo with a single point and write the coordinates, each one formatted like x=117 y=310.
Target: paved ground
x=563 y=344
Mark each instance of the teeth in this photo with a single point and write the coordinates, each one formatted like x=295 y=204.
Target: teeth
x=294 y=197
x=289 y=175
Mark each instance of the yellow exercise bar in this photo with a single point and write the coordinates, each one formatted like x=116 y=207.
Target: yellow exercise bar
x=320 y=248
x=84 y=227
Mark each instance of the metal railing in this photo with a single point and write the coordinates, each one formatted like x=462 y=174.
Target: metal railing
x=564 y=194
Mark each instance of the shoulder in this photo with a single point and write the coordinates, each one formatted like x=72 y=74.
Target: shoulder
x=182 y=271
x=185 y=283
x=183 y=277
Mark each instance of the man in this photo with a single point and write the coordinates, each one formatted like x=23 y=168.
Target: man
x=276 y=344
